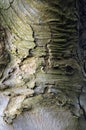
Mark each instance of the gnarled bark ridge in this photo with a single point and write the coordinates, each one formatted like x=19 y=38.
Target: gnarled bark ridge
x=41 y=65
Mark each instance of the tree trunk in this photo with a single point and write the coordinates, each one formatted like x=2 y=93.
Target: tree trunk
x=42 y=66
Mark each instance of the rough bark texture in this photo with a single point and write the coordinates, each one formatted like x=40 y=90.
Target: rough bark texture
x=41 y=64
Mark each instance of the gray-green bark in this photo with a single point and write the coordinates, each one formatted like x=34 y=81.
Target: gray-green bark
x=41 y=83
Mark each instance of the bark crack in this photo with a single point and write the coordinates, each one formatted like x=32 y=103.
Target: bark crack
x=79 y=102
x=33 y=35
x=10 y=4
x=47 y=57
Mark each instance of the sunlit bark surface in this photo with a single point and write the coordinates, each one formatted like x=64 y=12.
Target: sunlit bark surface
x=42 y=65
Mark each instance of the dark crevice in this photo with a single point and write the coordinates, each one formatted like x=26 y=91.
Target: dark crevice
x=81 y=5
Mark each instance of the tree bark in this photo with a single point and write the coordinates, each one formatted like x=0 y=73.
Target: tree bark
x=42 y=65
